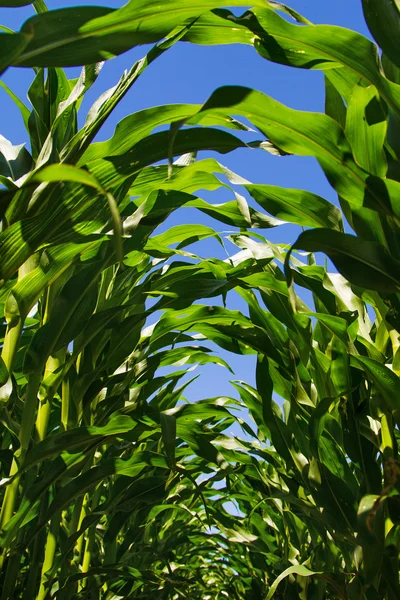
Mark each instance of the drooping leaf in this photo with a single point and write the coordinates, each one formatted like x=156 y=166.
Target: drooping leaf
x=309 y=134
x=383 y=20
x=334 y=105
x=74 y=439
x=363 y=263
x=301 y=570
x=296 y=206
x=12 y=46
x=14 y=3
x=89 y=34
x=366 y=126
x=385 y=380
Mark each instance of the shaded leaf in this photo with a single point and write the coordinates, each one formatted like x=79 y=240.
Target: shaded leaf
x=363 y=263
x=383 y=20
x=301 y=570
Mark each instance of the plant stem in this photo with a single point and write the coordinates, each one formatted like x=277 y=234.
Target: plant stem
x=80 y=540
x=10 y=344
x=46 y=395
x=15 y=320
x=387 y=440
x=28 y=413
x=11 y=341
x=54 y=362
x=90 y=540
x=49 y=554
x=65 y=397
x=27 y=422
x=78 y=515
x=35 y=558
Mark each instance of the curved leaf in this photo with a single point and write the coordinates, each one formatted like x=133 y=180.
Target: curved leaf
x=308 y=134
x=366 y=264
x=12 y=46
x=301 y=570
x=296 y=206
x=322 y=47
x=366 y=127
x=385 y=380
x=14 y=3
x=383 y=20
x=88 y=34
x=23 y=109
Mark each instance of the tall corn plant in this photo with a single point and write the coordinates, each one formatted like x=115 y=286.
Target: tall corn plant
x=102 y=471
x=318 y=486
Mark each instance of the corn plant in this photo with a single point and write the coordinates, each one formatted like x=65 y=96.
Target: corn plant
x=110 y=485
x=318 y=485
x=101 y=467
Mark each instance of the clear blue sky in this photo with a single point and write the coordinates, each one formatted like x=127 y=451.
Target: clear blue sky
x=189 y=74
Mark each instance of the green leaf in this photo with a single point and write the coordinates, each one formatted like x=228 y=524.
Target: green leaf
x=218 y=27
x=223 y=27
x=40 y=6
x=231 y=214
x=366 y=127
x=14 y=3
x=308 y=134
x=12 y=45
x=333 y=457
x=334 y=105
x=88 y=34
x=130 y=467
x=54 y=262
x=47 y=336
x=385 y=380
x=155 y=147
x=64 y=172
x=383 y=20
x=160 y=508
x=109 y=573
x=371 y=534
x=183 y=235
x=107 y=102
x=301 y=570
x=322 y=47
x=76 y=439
x=136 y=127
x=281 y=435
x=296 y=206
x=15 y=161
x=366 y=264
x=23 y=109
x=335 y=325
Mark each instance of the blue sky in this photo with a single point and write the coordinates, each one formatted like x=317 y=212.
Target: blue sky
x=189 y=74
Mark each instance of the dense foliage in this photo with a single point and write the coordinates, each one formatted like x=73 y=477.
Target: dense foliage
x=112 y=487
